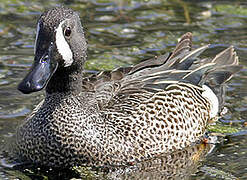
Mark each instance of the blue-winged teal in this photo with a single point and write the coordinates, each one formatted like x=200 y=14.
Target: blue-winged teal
x=130 y=114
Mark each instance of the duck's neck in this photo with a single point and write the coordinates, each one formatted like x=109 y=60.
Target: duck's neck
x=66 y=80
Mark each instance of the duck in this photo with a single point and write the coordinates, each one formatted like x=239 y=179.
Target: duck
x=117 y=117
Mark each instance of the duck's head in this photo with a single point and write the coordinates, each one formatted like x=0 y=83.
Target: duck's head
x=60 y=45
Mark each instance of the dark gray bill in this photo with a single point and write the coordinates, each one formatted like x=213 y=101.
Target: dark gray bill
x=39 y=75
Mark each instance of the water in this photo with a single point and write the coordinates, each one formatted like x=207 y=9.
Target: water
x=121 y=33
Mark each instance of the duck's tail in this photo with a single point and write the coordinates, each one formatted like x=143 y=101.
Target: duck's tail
x=226 y=64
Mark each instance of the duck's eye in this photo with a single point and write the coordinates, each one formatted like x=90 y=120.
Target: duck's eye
x=67 y=32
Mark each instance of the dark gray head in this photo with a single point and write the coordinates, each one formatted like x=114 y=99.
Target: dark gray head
x=60 y=45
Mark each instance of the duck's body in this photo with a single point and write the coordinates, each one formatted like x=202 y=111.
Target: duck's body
x=115 y=118
x=74 y=130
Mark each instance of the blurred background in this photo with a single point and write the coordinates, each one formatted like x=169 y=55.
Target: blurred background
x=122 y=33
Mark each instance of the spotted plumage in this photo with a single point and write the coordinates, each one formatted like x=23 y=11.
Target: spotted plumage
x=115 y=118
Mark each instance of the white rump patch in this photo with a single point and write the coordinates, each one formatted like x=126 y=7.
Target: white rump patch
x=209 y=94
x=63 y=47
x=36 y=38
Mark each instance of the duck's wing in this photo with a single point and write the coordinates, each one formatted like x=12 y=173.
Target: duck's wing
x=183 y=46
x=124 y=88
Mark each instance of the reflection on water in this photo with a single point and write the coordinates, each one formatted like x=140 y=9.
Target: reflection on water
x=178 y=165
x=123 y=33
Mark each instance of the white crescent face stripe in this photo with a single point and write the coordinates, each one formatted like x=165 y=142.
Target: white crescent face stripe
x=36 y=38
x=62 y=46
